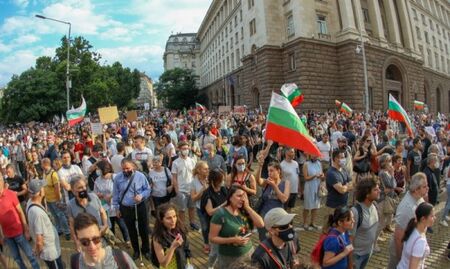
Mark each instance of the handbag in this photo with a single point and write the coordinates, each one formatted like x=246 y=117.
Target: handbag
x=322 y=190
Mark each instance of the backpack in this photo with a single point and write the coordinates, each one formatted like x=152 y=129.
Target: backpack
x=318 y=252
x=119 y=258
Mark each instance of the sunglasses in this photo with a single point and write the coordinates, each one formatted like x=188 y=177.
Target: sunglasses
x=283 y=227
x=86 y=241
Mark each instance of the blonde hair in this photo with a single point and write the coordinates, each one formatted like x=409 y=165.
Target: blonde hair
x=198 y=166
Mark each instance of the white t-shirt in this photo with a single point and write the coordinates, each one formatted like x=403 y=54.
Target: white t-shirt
x=116 y=162
x=142 y=155
x=325 y=149
x=416 y=246
x=197 y=186
x=159 y=180
x=65 y=175
x=334 y=137
x=183 y=169
x=290 y=171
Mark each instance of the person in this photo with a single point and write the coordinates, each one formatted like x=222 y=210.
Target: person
x=237 y=149
x=275 y=190
x=208 y=137
x=214 y=160
x=53 y=198
x=445 y=218
x=399 y=174
x=364 y=237
x=281 y=246
x=418 y=188
x=363 y=157
x=415 y=245
x=199 y=186
x=16 y=184
x=169 y=151
x=338 y=182
x=291 y=172
x=241 y=176
x=15 y=227
x=313 y=174
x=67 y=171
x=43 y=233
x=117 y=158
x=414 y=158
x=388 y=197
x=84 y=202
x=103 y=188
x=325 y=149
x=169 y=239
x=93 y=254
x=182 y=169
x=141 y=153
x=130 y=190
x=337 y=246
x=161 y=181
x=231 y=227
x=429 y=171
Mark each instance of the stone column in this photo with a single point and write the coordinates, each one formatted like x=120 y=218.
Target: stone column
x=391 y=16
x=346 y=10
x=376 y=21
x=359 y=17
x=406 y=25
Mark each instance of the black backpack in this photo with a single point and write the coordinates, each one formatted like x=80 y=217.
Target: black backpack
x=118 y=255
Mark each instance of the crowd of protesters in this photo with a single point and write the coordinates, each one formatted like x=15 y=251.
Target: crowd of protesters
x=217 y=175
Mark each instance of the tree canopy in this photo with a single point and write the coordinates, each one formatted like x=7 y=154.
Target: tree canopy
x=39 y=93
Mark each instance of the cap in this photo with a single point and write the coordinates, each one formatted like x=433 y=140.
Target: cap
x=277 y=217
x=36 y=185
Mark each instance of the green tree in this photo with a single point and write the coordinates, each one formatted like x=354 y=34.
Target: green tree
x=177 y=88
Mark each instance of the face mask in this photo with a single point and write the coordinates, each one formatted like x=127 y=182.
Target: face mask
x=83 y=194
x=287 y=235
x=98 y=172
x=185 y=152
x=240 y=168
x=127 y=173
x=342 y=162
x=437 y=165
x=206 y=153
x=130 y=142
x=66 y=166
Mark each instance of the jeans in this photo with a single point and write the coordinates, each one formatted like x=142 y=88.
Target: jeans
x=122 y=226
x=17 y=242
x=360 y=262
x=60 y=218
x=446 y=209
x=56 y=264
x=204 y=223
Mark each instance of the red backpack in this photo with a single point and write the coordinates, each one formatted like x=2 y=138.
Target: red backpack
x=317 y=253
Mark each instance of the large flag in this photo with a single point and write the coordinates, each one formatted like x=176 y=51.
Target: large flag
x=396 y=112
x=284 y=126
x=75 y=115
x=292 y=93
x=343 y=107
x=200 y=107
x=419 y=105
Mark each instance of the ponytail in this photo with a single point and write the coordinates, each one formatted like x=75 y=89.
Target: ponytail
x=409 y=229
x=423 y=210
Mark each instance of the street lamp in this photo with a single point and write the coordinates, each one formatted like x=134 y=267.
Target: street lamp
x=359 y=49
x=68 y=81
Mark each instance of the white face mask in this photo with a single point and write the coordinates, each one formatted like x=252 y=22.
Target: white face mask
x=185 y=152
x=240 y=168
x=437 y=165
x=342 y=162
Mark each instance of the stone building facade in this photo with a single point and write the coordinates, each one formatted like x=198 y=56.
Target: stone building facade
x=314 y=43
x=182 y=51
x=147 y=93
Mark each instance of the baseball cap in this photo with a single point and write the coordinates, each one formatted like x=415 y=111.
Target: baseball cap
x=36 y=185
x=277 y=217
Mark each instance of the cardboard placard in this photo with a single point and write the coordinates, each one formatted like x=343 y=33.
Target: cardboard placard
x=108 y=114
x=132 y=115
x=97 y=128
x=239 y=109
x=224 y=109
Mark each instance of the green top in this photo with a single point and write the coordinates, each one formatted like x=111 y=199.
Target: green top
x=232 y=226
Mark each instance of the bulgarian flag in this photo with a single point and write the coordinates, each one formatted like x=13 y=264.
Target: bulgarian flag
x=419 y=105
x=343 y=107
x=396 y=112
x=285 y=127
x=292 y=93
x=75 y=115
x=200 y=107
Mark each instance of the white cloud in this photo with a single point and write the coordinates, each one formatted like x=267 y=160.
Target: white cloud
x=21 y=3
x=25 y=40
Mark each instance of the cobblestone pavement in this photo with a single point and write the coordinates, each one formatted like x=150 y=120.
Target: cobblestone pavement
x=437 y=260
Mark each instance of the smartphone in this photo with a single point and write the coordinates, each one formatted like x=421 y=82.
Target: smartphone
x=247 y=235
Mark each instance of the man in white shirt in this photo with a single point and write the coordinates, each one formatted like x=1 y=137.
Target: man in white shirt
x=290 y=171
x=116 y=159
x=141 y=153
x=324 y=147
x=67 y=171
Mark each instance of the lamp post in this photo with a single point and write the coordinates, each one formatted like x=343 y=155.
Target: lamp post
x=68 y=81
x=360 y=48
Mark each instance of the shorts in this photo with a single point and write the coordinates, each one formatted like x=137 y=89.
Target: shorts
x=291 y=201
x=183 y=201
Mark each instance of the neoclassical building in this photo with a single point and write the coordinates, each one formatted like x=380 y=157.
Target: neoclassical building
x=249 y=48
x=147 y=93
x=182 y=51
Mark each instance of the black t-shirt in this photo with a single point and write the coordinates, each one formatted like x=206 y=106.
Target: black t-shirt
x=334 y=198
x=416 y=162
x=15 y=184
x=284 y=256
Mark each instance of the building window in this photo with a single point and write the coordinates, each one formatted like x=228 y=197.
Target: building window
x=436 y=58
x=322 y=24
x=443 y=63
x=252 y=27
x=236 y=37
x=421 y=50
x=431 y=24
x=251 y=3
x=292 y=65
x=429 y=58
x=414 y=14
x=423 y=19
x=419 y=36
x=235 y=21
x=231 y=42
x=370 y=98
x=290 y=25
x=366 y=15
x=434 y=42
x=425 y=34
x=242 y=32
x=240 y=15
x=238 y=57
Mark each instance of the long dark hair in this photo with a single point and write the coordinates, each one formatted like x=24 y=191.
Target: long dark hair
x=424 y=210
x=231 y=192
x=160 y=232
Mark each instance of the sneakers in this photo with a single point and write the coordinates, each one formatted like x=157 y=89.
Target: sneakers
x=298 y=229
x=195 y=227
x=443 y=223
x=314 y=227
x=447 y=218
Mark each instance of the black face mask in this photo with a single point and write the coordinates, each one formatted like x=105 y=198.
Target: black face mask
x=66 y=166
x=287 y=235
x=127 y=173
x=83 y=194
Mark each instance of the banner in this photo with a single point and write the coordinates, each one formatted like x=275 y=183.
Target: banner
x=132 y=116
x=224 y=109
x=239 y=110
x=97 y=128
x=108 y=114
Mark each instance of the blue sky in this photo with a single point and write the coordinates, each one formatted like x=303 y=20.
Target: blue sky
x=133 y=32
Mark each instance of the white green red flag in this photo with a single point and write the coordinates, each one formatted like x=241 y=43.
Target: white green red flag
x=343 y=107
x=292 y=93
x=419 y=105
x=285 y=127
x=75 y=115
x=200 y=107
x=396 y=112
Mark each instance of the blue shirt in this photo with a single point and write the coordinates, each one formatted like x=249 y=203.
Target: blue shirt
x=138 y=186
x=336 y=243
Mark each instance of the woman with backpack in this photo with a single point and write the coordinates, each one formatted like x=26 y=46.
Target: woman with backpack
x=415 y=245
x=199 y=186
x=170 y=248
x=337 y=247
